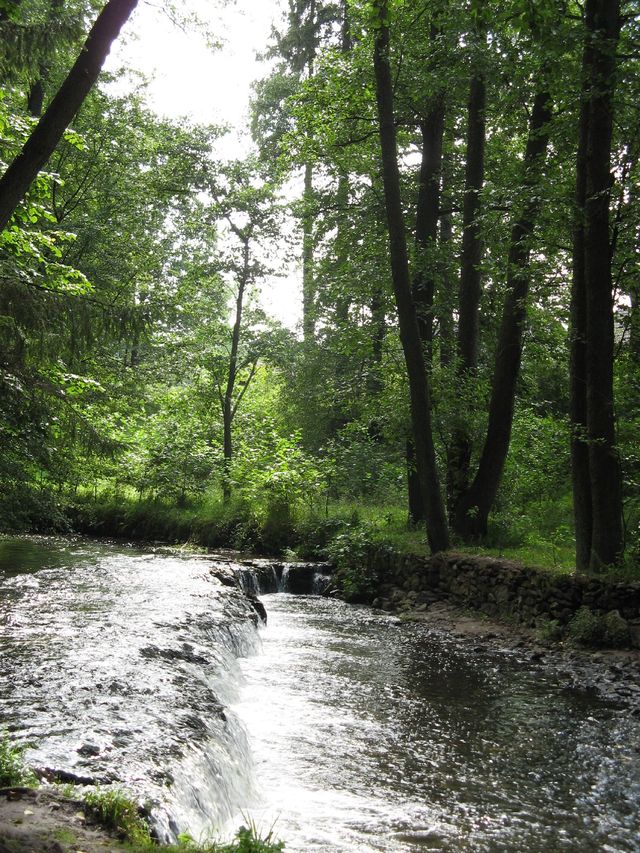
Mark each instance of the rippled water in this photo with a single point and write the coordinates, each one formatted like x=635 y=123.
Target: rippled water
x=352 y=732
x=370 y=735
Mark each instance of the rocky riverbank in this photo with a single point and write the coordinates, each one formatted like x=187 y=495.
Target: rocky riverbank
x=612 y=674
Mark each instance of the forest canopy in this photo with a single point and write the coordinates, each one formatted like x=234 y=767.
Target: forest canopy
x=460 y=184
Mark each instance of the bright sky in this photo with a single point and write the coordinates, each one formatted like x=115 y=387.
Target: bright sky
x=190 y=79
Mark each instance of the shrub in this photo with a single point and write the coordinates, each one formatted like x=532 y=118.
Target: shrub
x=549 y=630
x=349 y=551
x=114 y=810
x=586 y=628
x=591 y=629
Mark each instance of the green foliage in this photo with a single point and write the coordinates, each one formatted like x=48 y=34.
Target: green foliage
x=13 y=771
x=349 y=551
x=549 y=630
x=114 y=810
x=247 y=840
x=591 y=629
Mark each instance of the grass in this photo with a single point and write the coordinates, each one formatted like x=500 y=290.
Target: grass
x=13 y=771
x=113 y=809
x=539 y=536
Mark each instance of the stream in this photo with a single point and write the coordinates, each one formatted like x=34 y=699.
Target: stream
x=340 y=727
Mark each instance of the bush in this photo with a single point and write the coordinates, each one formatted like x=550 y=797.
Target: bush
x=349 y=551
x=591 y=629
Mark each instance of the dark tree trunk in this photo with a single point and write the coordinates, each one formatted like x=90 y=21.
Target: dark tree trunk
x=634 y=325
x=420 y=404
x=308 y=283
x=308 y=278
x=459 y=456
x=416 y=503
x=228 y=409
x=472 y=509
x=603 y=23
x=38 y=148
x=423 y=285
x=35 y=98
x=581 y=481
x=446 y=301
x=427 y=213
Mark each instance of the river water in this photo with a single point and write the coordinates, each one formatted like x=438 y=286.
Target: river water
x=345 y=729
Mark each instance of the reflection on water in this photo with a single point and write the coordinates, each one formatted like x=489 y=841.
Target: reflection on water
x=369 y=735
x=363 y=734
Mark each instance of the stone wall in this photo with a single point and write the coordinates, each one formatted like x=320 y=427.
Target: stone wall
x=500 y=588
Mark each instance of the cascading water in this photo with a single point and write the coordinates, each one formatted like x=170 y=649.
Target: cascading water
x=352 y=731
x=120 y=665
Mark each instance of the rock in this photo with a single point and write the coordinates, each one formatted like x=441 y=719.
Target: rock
x=259 y=608
x=88 y=750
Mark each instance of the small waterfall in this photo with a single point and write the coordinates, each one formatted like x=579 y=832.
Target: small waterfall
x=135 y=689
x=259 y=577
x=248 y=580
x=283 y=584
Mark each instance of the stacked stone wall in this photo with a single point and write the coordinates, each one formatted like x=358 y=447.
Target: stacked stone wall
x=500 y=588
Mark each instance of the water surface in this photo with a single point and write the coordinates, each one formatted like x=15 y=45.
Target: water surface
x=350 y=731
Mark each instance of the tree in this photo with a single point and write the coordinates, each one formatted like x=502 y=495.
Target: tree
x=48 y=132
x=596 y=466
x=245 y=204
x=437 y=531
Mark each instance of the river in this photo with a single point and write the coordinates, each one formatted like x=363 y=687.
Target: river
x=347 y=730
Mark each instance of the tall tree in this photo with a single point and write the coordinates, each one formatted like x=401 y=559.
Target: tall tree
x=459 y=457
x=420 y=404
x=474 y=505
x=598 y=501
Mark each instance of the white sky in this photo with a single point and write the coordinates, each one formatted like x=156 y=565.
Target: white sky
x=209 y=86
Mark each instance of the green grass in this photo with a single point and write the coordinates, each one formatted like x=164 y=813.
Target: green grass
x=540 y=536
x=13 y=771
x=113 y=809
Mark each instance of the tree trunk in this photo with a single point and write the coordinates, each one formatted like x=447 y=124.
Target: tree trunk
x=42 y=142
x=446 y=296
x=308 y=284
x=603 y=23
x=420 y=404
x=581 y=481
x=416 y=503
x=423 y=285
x=228 y=411
x=428 y=209
x=472 y=509
x=459 y=457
